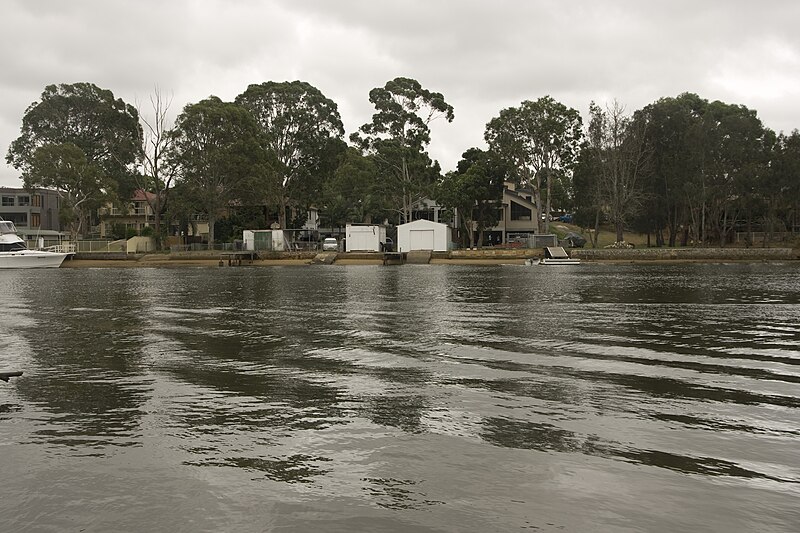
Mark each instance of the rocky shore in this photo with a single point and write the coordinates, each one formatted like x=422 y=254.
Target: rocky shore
x=486 y=256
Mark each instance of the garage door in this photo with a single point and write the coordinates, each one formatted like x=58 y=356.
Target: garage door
x=421 y=239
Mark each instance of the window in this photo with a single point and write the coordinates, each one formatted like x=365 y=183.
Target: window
x=19 y=219
x=36 y=221
x=37 y=200
x=520 y=212
x=7 y=201
x=23 y=200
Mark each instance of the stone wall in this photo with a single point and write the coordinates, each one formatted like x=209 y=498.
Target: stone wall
x=686 y=254
x=491 y=253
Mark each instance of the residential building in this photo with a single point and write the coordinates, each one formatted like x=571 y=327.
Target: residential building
x=36 y=209
x=136 y=215
x=519 y=218
x=35 y=215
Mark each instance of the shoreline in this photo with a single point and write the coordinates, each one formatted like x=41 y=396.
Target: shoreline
x=485 y=257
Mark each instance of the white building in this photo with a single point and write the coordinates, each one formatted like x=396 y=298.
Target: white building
x=365 y=238
x=423 y=235
x=268 y=240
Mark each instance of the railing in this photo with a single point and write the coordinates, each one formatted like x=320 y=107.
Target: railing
x=204 y=247
x=62 y=248
x=99 y=246
x=756 y=237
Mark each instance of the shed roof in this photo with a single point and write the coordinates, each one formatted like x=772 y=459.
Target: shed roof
x=423 y=222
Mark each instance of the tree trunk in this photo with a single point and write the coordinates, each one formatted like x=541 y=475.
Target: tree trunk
x=673 y=227
x=596 y=235
x=547 y=208
x=211 y=222
x=282 y=212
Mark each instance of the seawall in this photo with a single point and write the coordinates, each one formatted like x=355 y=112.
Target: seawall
x=485 y=256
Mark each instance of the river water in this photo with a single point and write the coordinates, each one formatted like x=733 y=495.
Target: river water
x=410 y=398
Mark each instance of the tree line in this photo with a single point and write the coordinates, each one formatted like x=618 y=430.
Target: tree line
x=682 y=169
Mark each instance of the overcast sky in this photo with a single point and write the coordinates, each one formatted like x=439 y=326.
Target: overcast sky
x=483 y=56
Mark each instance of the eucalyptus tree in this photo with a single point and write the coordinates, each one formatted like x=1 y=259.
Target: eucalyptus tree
x=784 y=184
x=80 y=184
x=156 y=173
x=475 y=192
x=303 y=132
x=623 y=161
x=92 y=143
x=537 y=140
x=675 y=192
x=735 y=150
x=221 y=155
x=397 y=138
x=352 y=195
x=589 y=200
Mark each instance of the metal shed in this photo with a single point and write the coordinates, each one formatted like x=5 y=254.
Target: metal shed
x=365 y=237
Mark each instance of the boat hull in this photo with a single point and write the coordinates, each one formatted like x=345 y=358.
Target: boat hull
x=31 y=259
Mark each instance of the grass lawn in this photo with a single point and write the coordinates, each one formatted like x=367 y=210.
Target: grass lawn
x=608 y=236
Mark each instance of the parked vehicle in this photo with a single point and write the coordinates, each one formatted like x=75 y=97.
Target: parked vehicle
x=330 y=245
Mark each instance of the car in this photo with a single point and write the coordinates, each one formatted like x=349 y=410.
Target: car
x=330 y=244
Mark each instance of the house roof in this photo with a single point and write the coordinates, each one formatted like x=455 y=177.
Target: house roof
x=519 y=198
x=140 y=195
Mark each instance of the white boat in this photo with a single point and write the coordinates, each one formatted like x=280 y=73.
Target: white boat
x=14 y=253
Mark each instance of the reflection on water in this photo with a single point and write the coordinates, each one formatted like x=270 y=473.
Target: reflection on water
x=396 y=398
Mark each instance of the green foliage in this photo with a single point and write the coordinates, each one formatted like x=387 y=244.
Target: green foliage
x=118 y=231
x=708 y=159
x=404 y=110
x=622 y=163
x=537 y=140
x=475 y=192
x=80 y=183
x=396 y=138
x=221 y=153
x=353 y=194
x=81 y=141
x=302 y=130
x=105 y=129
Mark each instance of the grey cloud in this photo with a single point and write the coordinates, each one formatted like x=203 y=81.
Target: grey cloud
x=483 y=56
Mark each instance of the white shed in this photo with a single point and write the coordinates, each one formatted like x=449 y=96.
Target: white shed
x=271 y=240
x=364 y=237
x=423 y=235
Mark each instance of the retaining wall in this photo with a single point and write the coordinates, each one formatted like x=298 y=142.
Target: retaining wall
x=686 y=254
